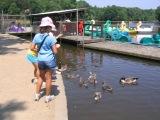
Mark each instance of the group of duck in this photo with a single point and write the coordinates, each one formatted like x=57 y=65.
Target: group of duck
x=92 y=79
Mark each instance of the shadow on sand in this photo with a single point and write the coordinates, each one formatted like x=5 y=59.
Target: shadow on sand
x=7 y=42
x=55 y=91
x=7 y=109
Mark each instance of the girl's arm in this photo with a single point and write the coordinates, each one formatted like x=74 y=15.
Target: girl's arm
x=33 y=47
x=54 y=49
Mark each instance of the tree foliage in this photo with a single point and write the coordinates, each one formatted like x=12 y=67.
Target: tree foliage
x=13 y=9
x=114 y=13
x=157 y=12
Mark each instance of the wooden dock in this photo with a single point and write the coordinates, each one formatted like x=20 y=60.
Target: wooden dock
x=147 y=52
x=136 y=50
x=80 y=39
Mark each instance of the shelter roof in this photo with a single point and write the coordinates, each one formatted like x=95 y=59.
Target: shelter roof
x=59 y=12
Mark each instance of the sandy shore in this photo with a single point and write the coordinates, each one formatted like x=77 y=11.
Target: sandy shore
x=17 y=91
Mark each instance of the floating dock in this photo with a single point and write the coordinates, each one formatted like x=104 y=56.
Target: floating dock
x=137 y=50
x=80 y=39
x=148 y=52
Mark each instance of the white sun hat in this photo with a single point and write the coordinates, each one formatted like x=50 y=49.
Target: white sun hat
x=46 y=21
x=54 y=28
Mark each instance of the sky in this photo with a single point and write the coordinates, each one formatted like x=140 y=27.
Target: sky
x=142 y=4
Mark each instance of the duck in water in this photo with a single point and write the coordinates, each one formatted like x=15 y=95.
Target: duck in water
x=72 y=76
x=97 y=96
x=128 y=81
x=83 y=83
x=92 y=79
x=106 y=88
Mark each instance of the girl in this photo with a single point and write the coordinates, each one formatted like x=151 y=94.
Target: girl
x=46 y=57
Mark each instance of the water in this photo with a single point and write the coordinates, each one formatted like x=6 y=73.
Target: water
x=139 y=102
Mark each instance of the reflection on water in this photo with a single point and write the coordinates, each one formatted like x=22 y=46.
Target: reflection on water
x=140 y=102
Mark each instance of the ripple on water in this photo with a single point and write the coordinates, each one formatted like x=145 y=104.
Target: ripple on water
x=138 y=102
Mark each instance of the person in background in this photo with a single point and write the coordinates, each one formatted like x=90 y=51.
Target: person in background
x=13 y=27
x=20 y=28
x=80 y=27
x=47 y=50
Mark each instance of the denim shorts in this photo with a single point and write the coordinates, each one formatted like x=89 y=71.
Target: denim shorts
x=44 y=65
x=32 y=58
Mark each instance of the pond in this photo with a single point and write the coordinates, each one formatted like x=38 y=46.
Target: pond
x=131 y=102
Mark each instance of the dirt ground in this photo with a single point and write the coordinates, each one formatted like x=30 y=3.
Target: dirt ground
x=16 y=89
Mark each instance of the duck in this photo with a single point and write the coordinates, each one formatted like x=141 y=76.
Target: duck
x=128 y=80
x=106 y=87
x=72 y=76
x=83 y=83
x=92 y=79
x=97 y=96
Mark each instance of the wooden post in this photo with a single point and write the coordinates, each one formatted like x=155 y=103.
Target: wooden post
x=92 y=31
x=2 y=26
x=77 y=21
x=101 y=30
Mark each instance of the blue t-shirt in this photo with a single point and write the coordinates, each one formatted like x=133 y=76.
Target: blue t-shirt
x=45 y=53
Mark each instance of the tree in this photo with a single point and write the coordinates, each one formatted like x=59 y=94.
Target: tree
x=82 y=4
x=4 y=5
x=157 y=13
x=13 y=9
x=114 y=13
x=35 y=6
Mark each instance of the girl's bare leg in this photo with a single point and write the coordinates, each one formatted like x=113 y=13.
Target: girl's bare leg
x=48 y=82
x=36 y=69
x=40 y=76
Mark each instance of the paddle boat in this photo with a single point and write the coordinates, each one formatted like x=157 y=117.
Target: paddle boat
x=144 y=28
x=132 y=31
x=156 y=38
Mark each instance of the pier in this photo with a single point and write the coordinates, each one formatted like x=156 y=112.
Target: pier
x=80 y=39
x=136 y=50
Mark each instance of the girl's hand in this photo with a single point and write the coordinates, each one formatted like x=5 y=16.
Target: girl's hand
x=60 y=35
x=58 y=45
